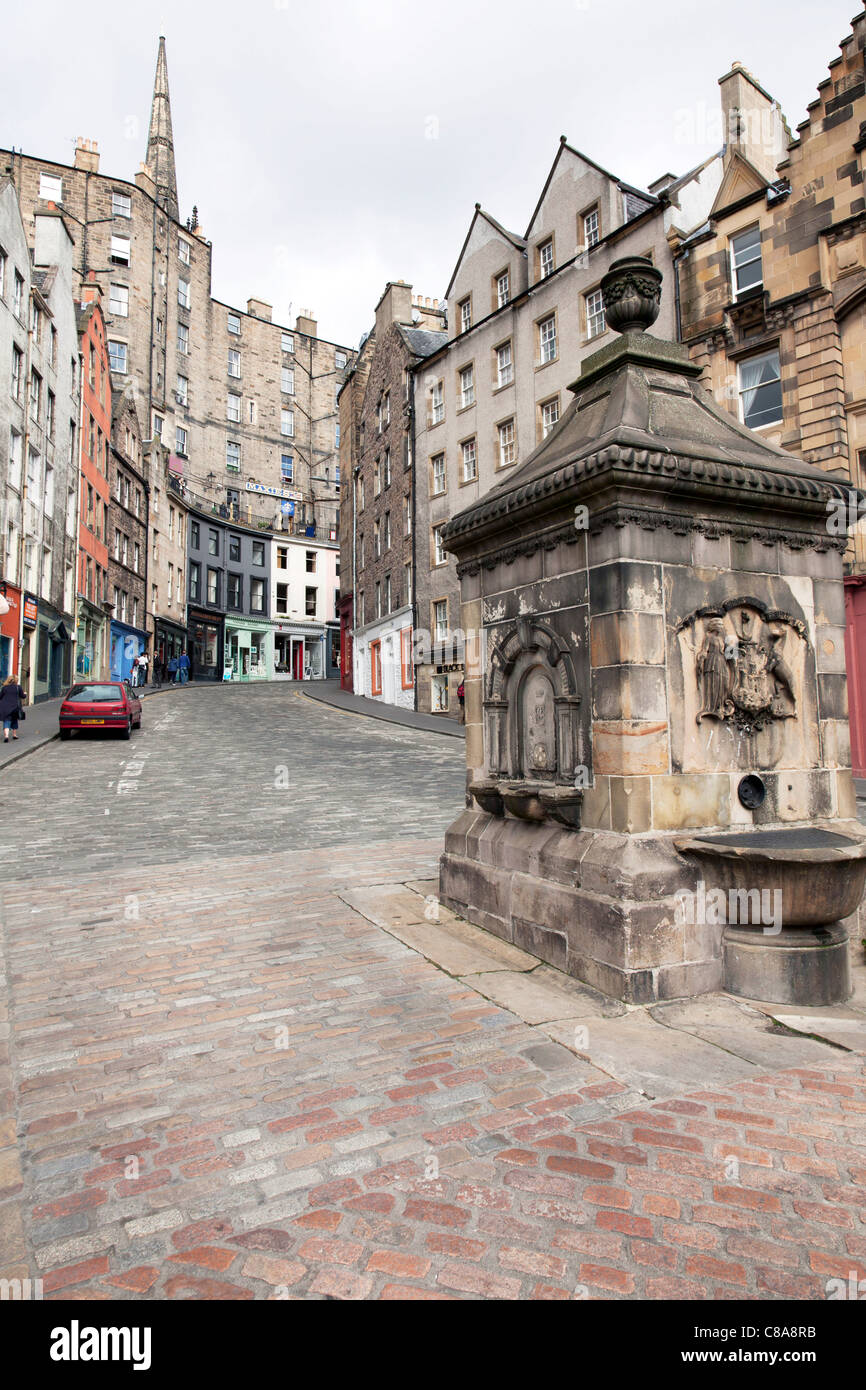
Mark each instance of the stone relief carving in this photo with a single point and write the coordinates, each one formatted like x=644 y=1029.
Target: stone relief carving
x=743 y=663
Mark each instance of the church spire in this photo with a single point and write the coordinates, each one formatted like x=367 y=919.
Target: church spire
x=160 y=144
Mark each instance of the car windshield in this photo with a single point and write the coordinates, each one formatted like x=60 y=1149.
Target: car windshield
x=95 y=694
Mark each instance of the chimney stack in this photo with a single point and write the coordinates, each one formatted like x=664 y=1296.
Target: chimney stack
x=87 y=155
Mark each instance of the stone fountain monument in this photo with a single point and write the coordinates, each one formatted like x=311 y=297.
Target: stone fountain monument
x=659 y=795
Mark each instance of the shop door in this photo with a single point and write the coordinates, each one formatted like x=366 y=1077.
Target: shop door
x=298 y=660
x=55 y=669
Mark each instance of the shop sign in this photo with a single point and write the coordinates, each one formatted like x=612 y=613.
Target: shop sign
x=31 y=610
x=289 y=493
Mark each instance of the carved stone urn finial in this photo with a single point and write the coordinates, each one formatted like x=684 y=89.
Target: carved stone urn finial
x=632 y=291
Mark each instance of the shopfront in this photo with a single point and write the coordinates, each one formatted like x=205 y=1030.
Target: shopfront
x=90 y=646
x=169 y=641
x=249 y=650
x=54 y=654
x=126 y=644
x=299 y=651
x=9 y=628
x=205 y=646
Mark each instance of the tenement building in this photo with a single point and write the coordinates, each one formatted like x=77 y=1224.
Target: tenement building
x=127 y=525
x=523 y=311
x=378 y=535
x=39 y=412
x=773 y=298
x=246 y=407
x=92 y=638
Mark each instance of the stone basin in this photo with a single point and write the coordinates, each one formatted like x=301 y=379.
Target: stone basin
x=784 y=897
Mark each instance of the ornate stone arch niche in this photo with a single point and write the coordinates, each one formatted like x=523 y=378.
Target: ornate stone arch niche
x=531 y=728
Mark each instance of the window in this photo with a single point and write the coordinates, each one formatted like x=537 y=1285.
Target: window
x=469 y=460
x=386 y=469
x=376 y=668
x=287 y=342
x=507 y=445
x=258 y=552
x=213 y=542
x=2 y=273
x=467 y=387
x=504 y=365
x=15 y=457
x=339 y=360
x=235 y=549
x=378 y=599
x=439 y=555
x=545 y=259
x=590 y=228
x=360 y=493
x=233 y=323
x=377 y=539
x=547 y=339
x=118 y=301
x=157 y=426
x=234 y=362
x=287 y=467
x=182 y=392
x=549 y=416
x=35 y=395
x=48 y=504
x=51 y=187
x=407 y=514
x=183 y=339
x=310 y=557
x=194 y=535
x=407 y=570
x=233 y=456
x=437 y=468
x=282 y=598
x=594 y=308
x=310 y=601
x=49 y=415
x=465 y=310
x=437 y=411
x=502 y=289
x=386 y=594
x=194 y=580
x=213 y=584
x=746 y=268
x=18 y=301
x=121 y=204
x=287 y=381
x=233 y=591
x=17 y=364
x=119 y=250
x=760 y=390
x=181 y=437
x=287 y=423
x=233 y=407
x=386 y=407
x=282 y=557
x=136 y=557
x=183 y=296
x=183 y=250
x=440 y=619
x=386 y=531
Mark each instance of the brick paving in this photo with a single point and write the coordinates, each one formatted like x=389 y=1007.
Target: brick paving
x=222 y=1082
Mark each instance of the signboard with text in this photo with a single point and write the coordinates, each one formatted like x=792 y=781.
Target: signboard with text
x=289 y=493
x=31 y=610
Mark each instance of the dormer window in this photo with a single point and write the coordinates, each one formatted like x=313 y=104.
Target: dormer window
x=465 y=308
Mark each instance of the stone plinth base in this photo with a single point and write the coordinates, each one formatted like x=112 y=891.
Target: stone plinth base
x=800 y=965
x=598 y=905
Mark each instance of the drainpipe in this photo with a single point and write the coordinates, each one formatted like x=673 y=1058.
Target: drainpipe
x=412 y=484
x=25 y=456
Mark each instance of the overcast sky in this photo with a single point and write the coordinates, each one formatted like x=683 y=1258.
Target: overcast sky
x=330 y=147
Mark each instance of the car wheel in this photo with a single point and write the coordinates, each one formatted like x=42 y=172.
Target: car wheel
x=127 y=732
x=65 y=733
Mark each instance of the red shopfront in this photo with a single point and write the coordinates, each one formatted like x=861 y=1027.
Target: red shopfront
x=10 y=627
x=345 y=612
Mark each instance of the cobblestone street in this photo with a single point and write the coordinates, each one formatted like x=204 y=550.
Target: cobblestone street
x=223 y=1077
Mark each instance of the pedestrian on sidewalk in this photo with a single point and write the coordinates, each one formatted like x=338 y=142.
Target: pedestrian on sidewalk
x=173 y=672
x=142 y=669
x=12 y=699
x=184 y=666
x=461 y=696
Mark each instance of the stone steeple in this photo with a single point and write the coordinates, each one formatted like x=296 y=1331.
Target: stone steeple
x=160 y=144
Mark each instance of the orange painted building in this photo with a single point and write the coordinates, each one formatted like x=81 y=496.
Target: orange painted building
x=94 y=608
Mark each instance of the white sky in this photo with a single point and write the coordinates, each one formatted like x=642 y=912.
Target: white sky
x=331 y=147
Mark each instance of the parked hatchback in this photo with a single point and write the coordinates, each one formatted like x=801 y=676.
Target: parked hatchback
x=100 y=705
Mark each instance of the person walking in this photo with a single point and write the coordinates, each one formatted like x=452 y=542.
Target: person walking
x=142 y=669
x=173 y=672
x=12 y=700
x=184 y=666
x=461 y=696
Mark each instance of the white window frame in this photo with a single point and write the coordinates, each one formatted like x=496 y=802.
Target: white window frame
x=469 y=452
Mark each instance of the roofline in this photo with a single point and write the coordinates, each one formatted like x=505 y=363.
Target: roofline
x=503 y=231
x=564 y=145
x=244 y=313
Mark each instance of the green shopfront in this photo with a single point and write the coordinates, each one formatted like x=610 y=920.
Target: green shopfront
x=249 y=649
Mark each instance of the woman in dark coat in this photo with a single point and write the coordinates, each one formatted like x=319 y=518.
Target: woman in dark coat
x=11 y=698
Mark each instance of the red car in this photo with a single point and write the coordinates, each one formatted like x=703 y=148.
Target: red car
x=100 y=705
